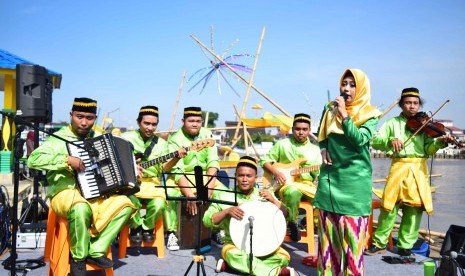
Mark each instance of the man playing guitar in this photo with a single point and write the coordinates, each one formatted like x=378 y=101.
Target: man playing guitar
x=148 y=146
x=287 y=151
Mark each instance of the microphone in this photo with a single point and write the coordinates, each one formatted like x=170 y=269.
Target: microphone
x=344 y=95
x=454 y=255
x=251 y=219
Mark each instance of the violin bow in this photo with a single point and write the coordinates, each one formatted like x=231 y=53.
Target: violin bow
x=426 y=122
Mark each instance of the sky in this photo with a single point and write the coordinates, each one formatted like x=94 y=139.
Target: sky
x=127 y=54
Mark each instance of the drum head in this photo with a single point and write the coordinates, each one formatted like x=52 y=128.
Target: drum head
x=269 y=228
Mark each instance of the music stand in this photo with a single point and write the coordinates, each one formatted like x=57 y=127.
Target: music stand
x=200 y=198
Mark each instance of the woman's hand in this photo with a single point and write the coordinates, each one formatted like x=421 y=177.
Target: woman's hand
x=326 y=158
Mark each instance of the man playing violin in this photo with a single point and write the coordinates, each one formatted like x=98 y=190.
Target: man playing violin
x=407 y=186
x=220 y=215
x=286 y=151
x=148 y=146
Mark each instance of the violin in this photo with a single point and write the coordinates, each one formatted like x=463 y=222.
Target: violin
x=422 y=122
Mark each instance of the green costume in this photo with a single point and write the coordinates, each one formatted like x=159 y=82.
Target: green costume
x=349 y=176
x=206 y=158
x=407 y=185
x=93 y=224
x=287 y=151
x=236 y=258
x=153 y=198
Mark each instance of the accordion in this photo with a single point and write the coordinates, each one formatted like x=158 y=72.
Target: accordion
x=110 y=167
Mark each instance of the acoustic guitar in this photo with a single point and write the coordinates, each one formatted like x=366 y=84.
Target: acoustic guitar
x=290 y=171
x=196 y=145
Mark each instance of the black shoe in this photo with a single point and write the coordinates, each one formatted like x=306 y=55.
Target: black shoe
x=101 y=261
x=404 y=252
x=78 y=268
x=135 y=237
x=147 y=235
x=374 y=250
x=294 y=231
x=406 y=255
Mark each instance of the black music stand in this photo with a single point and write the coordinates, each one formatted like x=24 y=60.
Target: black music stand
x=200 y=198
x=11 y=262
x=33 y=206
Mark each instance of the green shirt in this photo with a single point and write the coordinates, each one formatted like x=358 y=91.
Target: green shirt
x=217 y=207
x=419 y=146
x=52 y=156
x=160 y=148
x=206 y=157
x=288 y=150
x=345 y=187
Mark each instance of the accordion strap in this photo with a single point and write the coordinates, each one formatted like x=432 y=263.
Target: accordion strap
x=148 y=150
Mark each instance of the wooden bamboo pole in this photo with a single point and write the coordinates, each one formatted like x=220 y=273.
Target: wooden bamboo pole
x=240 y=76
x=249 y=85
x=386 y=111
x=177 y=102
x=253 y=146
x=422 y=231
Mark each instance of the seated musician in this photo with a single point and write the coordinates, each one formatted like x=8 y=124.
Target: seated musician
x=94 y=224
x=207 y=158
x=148 y=146
x=287 y=151
x=221 y=214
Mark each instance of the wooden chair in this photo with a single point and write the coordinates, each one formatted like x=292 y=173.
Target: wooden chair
x=375 y=204
x=56 y=250
x=158 y=243
x=307 y=236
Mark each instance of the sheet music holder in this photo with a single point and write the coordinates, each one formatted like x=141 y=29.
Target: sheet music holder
x=200 y=198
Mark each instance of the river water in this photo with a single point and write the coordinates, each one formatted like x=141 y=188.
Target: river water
x=449 y=197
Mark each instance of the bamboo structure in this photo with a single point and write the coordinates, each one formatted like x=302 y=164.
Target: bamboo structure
x=240 y=76
x=247 y=93
x=387 y=110
x=177 y=102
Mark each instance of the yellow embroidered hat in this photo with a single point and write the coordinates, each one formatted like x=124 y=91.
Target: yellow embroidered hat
x=84 y=105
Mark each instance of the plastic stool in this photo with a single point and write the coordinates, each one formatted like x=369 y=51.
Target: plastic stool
x=308 y=236
x=56 y=250
x=158 y=243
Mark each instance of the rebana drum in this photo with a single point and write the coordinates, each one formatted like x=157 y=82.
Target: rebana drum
x=269 y=228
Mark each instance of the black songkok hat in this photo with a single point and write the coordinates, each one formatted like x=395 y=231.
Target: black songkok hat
x=148 y=110
x=410 y=92
x=248 y=162
x=85 y=105
x=302 y=118
x=192 y=111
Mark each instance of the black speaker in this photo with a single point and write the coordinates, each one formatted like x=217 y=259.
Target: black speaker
x=455 y=241
x=34 y=87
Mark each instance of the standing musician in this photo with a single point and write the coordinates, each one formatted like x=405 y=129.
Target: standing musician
x=343 y=196
x=219 y=215
x=287 y=151
x=93 y=224
x=207 y=158
x=150 y=146
x=407 y=185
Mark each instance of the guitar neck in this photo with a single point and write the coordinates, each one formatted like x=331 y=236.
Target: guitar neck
x=161 y=159
x=305 y=170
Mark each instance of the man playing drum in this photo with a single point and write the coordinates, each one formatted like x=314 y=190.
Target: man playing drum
x=221 y=214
